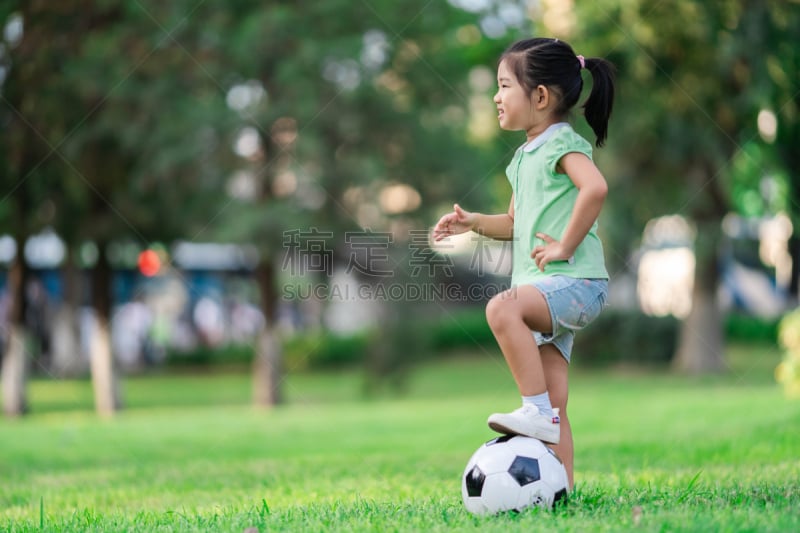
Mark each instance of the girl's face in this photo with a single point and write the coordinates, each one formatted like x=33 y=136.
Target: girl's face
x=514 y=107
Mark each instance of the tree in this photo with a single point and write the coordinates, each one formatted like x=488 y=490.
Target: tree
x=781 y=59
x=690 y=84
x=343 y=100
x=121 y=139
x=350 y=99
x=27 y=156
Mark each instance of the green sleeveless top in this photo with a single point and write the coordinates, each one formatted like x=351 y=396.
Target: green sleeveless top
x=543 y=203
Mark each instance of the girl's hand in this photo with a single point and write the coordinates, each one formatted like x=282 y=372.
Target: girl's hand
x=552 y=250
x=459 y=221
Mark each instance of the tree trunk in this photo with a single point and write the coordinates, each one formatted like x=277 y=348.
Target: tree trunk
x=267 y=369
x=794 y=283
x=701 y=344
x=104 y=379
x=67 y=359
x=13 y=371
x=267 y=363
x=107 y=399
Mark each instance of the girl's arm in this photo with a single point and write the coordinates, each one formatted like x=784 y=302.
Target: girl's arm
x=592 y=191
x=499 y=227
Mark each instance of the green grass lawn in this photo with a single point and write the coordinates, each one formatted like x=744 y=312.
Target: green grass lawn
x=654 y=452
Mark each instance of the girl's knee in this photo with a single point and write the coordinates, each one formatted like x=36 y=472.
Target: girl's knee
x=498 y=312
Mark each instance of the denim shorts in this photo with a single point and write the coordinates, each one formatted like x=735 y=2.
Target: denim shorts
x=573 y=304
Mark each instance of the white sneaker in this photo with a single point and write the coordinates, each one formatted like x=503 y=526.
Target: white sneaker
x=527 y=421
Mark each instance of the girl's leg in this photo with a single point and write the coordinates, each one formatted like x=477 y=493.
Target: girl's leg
x=556 y=374
x=512 y=315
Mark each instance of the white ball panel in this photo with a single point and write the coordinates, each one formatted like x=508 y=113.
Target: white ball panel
x=475 y=505
x=535 y=494
x=553 y=472
x=500 y=493
x=494 y=458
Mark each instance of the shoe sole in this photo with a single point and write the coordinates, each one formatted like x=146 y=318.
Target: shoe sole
x=542 y=435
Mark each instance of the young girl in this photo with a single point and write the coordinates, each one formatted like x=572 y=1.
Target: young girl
x=559 y=282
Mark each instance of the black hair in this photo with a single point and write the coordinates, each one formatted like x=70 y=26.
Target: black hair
x=553 y=63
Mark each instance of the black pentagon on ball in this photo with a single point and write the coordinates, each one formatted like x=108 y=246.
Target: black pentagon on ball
x=474 y=481
x=525 y=470
x=500 y=440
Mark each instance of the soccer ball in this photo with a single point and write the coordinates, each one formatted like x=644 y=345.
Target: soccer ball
x=511 y=473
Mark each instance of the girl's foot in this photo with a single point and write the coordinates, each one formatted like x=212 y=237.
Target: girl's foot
x=529 y=422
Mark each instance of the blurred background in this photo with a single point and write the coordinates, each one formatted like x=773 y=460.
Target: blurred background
x=247 y=186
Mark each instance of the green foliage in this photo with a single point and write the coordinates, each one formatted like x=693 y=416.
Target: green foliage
x=234 y=354
x=618 y=336
x=125 y=131
x=151 y=130
x=693 y=77
x=462 y=329
x=323 y=349
x=746 y=328
x=314 y=350
x=138 y=145
x=759 y=187
x=632 y=337
x=615 y=337
x=783 y=60
x=788 y=371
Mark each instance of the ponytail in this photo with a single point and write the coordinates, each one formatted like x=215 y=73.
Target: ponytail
x=597 y=108
x=553 y=63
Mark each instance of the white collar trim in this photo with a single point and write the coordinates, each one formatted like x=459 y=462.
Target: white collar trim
x=542 y=138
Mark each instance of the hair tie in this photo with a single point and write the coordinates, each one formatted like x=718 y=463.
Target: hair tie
x=582 y=61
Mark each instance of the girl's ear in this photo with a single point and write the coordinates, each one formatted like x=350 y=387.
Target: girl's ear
x=540 y=97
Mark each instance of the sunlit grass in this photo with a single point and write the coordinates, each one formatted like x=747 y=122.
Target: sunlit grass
x=653 y=451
